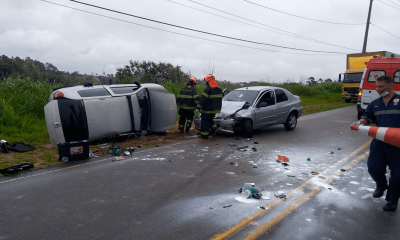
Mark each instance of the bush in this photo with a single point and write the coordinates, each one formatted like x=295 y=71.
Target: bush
x=22 y=99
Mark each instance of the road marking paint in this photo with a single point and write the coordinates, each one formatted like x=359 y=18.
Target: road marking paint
x=275 y=220
x=299 y=202
x=84 y=164
x=246 y=221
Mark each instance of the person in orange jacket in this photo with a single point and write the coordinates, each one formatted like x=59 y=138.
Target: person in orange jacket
x=210 y=103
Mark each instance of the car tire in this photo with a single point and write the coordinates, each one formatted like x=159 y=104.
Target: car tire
x=248 y=128
x=291 y=122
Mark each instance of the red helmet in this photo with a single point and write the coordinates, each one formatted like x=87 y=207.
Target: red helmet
x=193 y=80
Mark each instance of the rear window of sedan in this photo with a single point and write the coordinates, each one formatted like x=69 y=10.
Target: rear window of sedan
x=241 y=96
x=94 y=92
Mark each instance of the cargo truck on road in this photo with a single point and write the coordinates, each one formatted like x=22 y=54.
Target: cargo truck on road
x=354 y=71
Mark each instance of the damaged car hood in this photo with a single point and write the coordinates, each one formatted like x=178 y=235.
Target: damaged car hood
x=230 y=107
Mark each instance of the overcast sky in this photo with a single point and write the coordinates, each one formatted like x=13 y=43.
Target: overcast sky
x=73 y=40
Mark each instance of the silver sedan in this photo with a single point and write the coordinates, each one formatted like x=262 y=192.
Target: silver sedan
x=249 y=108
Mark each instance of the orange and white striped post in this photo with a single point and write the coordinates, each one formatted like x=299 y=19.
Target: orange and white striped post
x=385 y=134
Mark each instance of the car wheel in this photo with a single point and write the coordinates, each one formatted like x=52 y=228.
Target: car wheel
x=291 y=122
x=248 y=128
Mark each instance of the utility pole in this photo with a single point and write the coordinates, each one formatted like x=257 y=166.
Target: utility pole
x=367 y=28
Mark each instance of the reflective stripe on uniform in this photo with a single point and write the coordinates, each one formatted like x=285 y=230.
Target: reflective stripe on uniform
x=377 y=113
x=186 y=96
x=210 y=111
x=187 y=107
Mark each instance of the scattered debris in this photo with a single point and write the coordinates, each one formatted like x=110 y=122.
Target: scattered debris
x=254 y=166
x=343 y=170
x=157 y=145
x=238 y=138
x=211 y=208
x=104 y=146
x=308 y=159
x=283 y=158
x=254 y=149
x=91 y=154
x=287 y=168
x=17 y=168
x=282 y=195
x=314 y=173
x=243 y=172
x=241 y=148
x=255 y=142
x=339 y=149
x=262 y=207
x=304 y=173
x=232 y=163
x=285 y=164
x=118 y=158
x=322 y=177
x=329 y=188
x=227 y=206
x=115 y=151
x=139 y=146
x=249 y=190
x=169 y=160
x=331 y=152
x=248 y=139
x=291 y=176
x=127 y=153
x=232 y=144
x=3 y=146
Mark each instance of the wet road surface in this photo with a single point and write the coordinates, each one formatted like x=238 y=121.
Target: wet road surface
x=188 y=190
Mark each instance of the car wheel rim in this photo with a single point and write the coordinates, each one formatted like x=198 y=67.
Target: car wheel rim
x=292 y=122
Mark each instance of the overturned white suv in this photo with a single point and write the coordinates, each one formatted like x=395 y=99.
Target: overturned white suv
x=89 y=112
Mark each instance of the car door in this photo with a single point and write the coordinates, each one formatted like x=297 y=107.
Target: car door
x=282 y=106
x=265 y=110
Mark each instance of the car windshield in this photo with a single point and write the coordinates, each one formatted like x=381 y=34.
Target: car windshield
x=241 y=96
x=352 y=78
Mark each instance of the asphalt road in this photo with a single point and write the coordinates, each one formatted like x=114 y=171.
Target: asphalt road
x=188 y=190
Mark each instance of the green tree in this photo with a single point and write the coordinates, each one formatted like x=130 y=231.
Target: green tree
x=151 y=72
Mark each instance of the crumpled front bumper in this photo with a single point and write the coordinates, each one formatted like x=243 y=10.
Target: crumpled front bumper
x=224 y=125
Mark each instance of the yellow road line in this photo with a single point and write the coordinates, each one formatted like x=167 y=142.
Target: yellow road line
x=246 y=221
x=296 y=204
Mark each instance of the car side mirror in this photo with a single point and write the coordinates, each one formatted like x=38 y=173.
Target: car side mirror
x=262 y=104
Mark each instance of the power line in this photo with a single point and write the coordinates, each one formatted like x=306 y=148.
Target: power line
x=311 y=19
x=388 y=5
x=267 y=25
x=394 y=3
x=385 y=31
x=199 y=31
x=186 y=35
x=290 y=35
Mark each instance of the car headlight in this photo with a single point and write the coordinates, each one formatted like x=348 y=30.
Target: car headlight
x=230 y=117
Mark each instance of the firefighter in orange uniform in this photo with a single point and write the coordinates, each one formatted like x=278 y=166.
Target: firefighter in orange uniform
x=210 y=103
